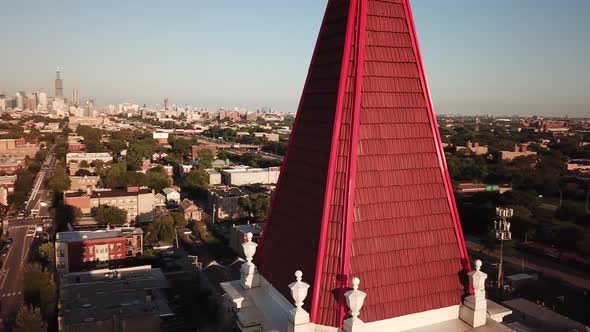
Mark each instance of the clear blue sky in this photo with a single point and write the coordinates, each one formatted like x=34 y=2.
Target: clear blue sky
x=496 y=57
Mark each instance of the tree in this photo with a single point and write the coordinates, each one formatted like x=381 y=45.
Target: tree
x=66 y=214
x=39 y=289
x=109 y=215
x=28 y=319
x=205 y=157
x=196 y=182
x=47 y=252
x=115 y=176
x=60 y=181
x=178 y=219
x=22 y=185
x=83 y=172
x=162 y=229
x=156 y=179
x=256 y=205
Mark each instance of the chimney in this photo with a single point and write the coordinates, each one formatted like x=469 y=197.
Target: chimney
x=476 y=145
x=132 y=189
x=88 y=191
x=515 y=147
x=523 y=148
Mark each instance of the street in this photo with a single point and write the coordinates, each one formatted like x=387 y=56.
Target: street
x=21 y=230
x=544 y=268
x=23 y=235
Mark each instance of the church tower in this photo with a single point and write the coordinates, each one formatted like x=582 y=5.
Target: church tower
x=364 y=190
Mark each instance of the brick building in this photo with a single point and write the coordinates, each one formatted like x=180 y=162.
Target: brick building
x=80 y=250
x=18 y=147
x=137 y=201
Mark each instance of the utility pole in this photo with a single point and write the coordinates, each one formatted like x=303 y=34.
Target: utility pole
x=502 y=229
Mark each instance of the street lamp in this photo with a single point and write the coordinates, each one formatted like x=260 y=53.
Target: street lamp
x=502 y=229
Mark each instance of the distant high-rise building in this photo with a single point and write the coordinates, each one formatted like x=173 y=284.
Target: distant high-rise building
x=3 y=103
x=166 y=104
x=75 y=98
x=42 y=96
x=20 y=100
x=30 y=102
x=59 y=89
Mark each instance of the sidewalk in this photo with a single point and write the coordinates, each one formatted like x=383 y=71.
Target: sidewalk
x=575 y=280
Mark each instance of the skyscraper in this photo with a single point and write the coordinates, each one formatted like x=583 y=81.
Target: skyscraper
x=43 y=100
x=20 y=100
x=59 y=89
x=75 y=98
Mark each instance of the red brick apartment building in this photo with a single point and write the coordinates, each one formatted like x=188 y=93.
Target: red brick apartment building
x=83 y=250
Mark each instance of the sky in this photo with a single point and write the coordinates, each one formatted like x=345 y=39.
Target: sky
x=481 y=57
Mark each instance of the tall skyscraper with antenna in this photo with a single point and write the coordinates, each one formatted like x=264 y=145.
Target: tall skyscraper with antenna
x=59 y=89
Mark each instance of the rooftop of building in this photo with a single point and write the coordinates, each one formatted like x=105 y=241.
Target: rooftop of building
x=101 y=294
x=249 y=170
x=224 y=191
x=88 y=154
x=77 y=236
x=134 y=191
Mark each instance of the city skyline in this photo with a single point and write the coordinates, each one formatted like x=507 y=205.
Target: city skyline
x=506 y=59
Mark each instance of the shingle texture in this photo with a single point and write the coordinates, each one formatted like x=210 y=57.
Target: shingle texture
x=390 y=193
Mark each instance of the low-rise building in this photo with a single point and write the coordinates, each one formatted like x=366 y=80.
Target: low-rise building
x=581 y=165
x=138 y=202
x=224 y=202
x=84 y=182
x=123 y=300
x=238 y=236
x=214 y=177
x=81 y=250
x=78 y=157
x=518 y=152
x=9 y=165
x=172 y=196
x=475 y=148
x=11 y=147
x=269 y=137
x=244 y=176
x=190 y=210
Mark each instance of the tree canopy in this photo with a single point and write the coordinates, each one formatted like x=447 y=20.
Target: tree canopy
x=60 y=181
x=109 y=215
x=256 y=205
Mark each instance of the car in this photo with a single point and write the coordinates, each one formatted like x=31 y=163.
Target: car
x=8 y=241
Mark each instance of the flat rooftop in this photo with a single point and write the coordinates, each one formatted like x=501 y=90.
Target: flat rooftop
x=101 y=294
x=77 y=236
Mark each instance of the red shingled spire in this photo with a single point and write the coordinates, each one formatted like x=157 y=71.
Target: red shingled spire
x=364 y=190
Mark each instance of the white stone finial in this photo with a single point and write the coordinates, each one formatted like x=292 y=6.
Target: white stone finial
x=299 y=290
x=355 y=300
x=249 y=247
x=474 y=310
x=298 y=317
x=478 y=265
x=355 y=283
x=250 y=278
